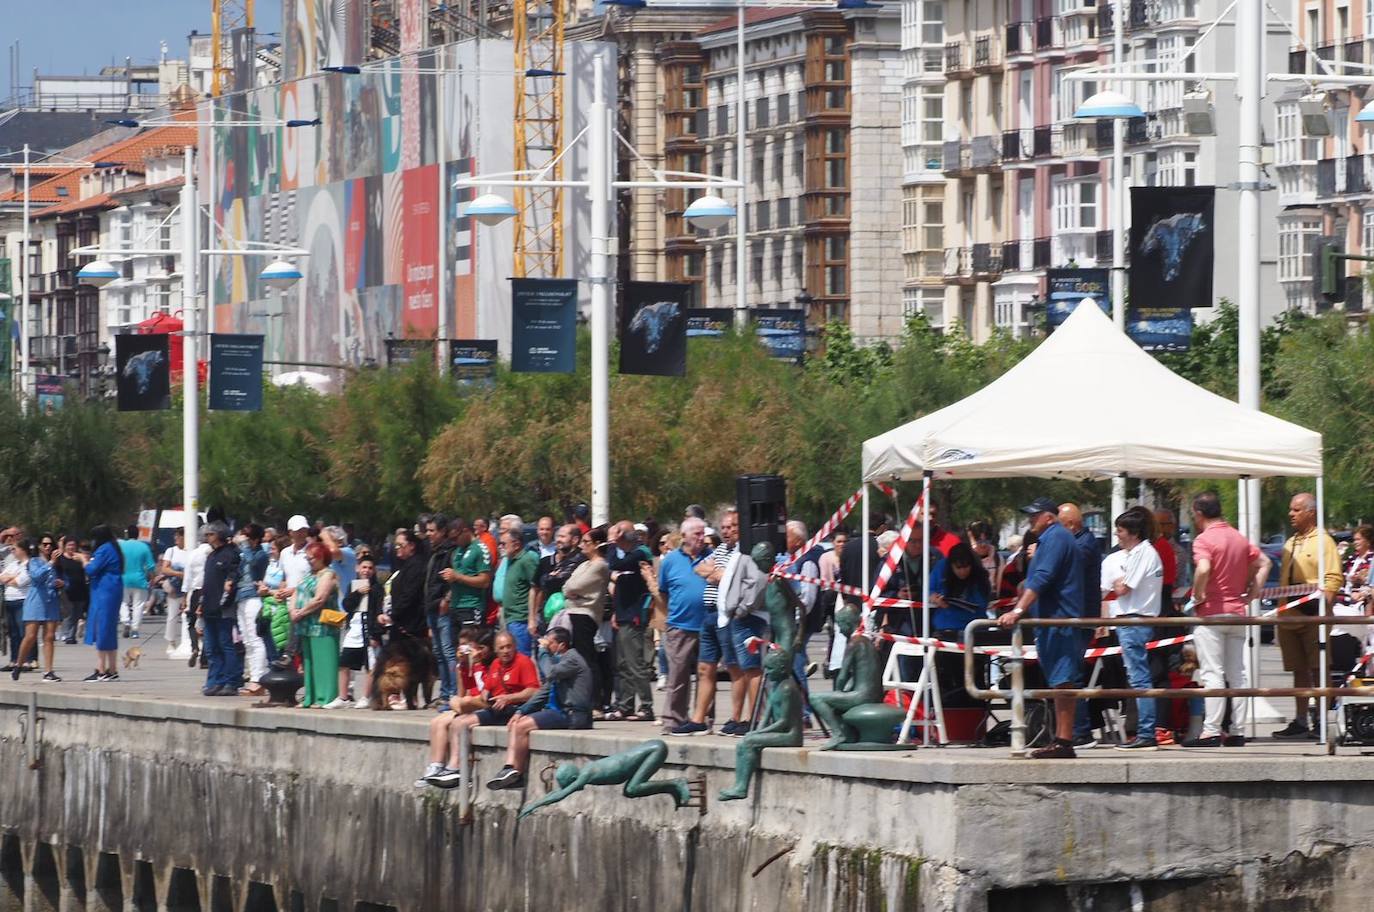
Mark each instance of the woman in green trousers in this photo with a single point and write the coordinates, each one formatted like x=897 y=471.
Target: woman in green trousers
x=319 y=641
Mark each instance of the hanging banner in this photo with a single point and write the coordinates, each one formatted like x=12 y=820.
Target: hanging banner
x=400 y=352
x=782 y=331
x=1171 y=246
x=1066 y=288
x=711 y=322
x=142 y=380
x=235 y=372
x=47 y=390
x=653 y=328
x=543 y=326
x=1160 y=329
x=472 y=362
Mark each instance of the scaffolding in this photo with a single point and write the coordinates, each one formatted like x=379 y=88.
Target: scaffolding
x=538 y=38
x=225 y=17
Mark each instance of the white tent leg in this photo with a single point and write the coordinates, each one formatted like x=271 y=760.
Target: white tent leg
x=1323 y=634
x=1252 y=638
x=925 y=587
x=933 y=682
x=917 y=697
x=865 y=607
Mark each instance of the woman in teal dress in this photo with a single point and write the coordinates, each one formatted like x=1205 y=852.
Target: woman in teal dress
x=319 y=641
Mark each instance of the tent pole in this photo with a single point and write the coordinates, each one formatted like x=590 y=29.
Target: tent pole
x=867 y=583
x=925 y=597
x=1323 y=633
x=1118 y=503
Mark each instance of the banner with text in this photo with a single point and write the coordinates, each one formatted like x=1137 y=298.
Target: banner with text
x=472 y=362
x=47 y=389
x=400 y=352
x=236 y=372
x=142 y=380
x=653 y=328
x=1171 y=246
x=783 y=332
x=1066 y=288
x=709 y=322
x=1160 y=329
x=543 y=326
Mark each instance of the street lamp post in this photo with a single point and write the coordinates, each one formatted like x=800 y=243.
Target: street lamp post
x=707 y=211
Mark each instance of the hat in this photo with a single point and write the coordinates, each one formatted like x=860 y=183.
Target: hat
x=641 y=528
x=1040 y=505
x=297 y=523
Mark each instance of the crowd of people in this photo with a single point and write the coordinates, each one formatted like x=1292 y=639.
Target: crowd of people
x=558 y=626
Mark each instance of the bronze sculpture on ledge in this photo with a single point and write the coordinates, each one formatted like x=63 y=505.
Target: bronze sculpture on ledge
x=855 y=711
x=782 y=722
x=633 y=768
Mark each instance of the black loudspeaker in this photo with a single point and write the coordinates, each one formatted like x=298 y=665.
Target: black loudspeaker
x=762 y=504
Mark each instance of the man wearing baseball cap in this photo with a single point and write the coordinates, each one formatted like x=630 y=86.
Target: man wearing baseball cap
x=1054 y=587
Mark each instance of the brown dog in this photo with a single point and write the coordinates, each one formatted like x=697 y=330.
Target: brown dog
x=131 y=657
x=404 y=666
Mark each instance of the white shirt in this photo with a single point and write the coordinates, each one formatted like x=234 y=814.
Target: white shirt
x=195 y=568
x=175 y=557
x=15 y=592
x=295 y=565
x=1143 y=573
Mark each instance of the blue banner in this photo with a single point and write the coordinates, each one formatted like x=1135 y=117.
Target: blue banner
x=1160 y=329
x=143 y=380
x=235 y=372
x=1068 y=287
x=543 y=326
x=472 y=362
x=47 y=389
x=709 y=322
x=782 y=331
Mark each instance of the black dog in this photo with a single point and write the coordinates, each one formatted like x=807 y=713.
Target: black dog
x=404 y=665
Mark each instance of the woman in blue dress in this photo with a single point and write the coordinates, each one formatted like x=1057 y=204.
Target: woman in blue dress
x=106 y=572
x=41 y=608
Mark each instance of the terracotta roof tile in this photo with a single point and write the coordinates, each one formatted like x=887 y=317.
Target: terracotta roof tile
x=752 y=15
x=131 y=153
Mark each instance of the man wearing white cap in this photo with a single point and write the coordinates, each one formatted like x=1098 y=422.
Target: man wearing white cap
x=295 y=567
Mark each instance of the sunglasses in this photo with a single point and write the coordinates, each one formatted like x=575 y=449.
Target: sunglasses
x=46 y=544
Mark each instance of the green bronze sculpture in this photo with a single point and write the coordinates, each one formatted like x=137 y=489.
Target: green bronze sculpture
x=634 y=768
x=780 y=600
x=858 y=682
x=782 y=722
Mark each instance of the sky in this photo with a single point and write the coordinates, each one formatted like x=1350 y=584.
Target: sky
x=66 y=37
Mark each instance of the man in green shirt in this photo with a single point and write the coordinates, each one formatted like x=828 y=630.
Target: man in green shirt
x=468 y=577
x=521 y=567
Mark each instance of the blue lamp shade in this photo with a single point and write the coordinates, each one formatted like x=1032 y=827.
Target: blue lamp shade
x=628 y=4
x=1366 y=115
x=98 y=273
x=301 y=122
x=280 y=274
x=347 y=69
x=123 y=122
x=856 y=5
x=1108 y=105
x=490 y=209
x=709 y=212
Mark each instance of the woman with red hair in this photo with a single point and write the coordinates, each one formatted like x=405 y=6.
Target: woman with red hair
x=319 y=640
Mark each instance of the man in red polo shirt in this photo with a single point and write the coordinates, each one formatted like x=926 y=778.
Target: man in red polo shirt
x=1165 y=529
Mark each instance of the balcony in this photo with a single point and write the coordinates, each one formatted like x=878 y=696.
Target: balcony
x=1138 y=130
x=1103 y=247
x=1011 y=146
x=957 y=157
x=1079 y=142
x=958 y=263
x=956 y=60
x=1047 y=142
x=983 y=153
x=1326 y=177
x=986 y=54
x=1297 y=61
x=1049 y=36
x=1138 y=14
x=1019 y=40
x=1353 y=52
x=1011 y=256
x=1355 y=179
x=986 y=260
x=1105 y=25
x=1040 y=253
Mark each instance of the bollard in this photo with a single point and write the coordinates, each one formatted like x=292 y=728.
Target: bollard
x=1018 y=694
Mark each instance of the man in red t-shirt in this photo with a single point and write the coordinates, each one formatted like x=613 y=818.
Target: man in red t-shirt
x=503 y=686
x=1229 y=572
x=940 y=539
x=1166 y=528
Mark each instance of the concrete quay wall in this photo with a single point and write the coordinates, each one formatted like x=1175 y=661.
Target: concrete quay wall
x=147 y=805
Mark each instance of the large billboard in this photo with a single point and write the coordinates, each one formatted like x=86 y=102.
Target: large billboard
x=362 y=193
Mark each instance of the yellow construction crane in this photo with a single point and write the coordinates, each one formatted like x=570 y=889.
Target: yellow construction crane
x=538 y=39
x=225 y=16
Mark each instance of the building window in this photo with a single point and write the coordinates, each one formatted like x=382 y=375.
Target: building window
x=1295 y=239
x=1075 y=205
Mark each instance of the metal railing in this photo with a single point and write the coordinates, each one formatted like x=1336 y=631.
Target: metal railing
x=1019 y=693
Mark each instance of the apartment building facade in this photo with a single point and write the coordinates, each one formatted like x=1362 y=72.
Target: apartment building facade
x=923 y=178
x=822 y=109
x=1028 y=185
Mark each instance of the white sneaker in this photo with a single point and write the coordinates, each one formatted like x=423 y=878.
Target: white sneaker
x=433 y=769
x=363 y=704
x=662 y=682
x=337 y=703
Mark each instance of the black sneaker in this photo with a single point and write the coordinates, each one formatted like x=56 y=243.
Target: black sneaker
x=729 y=728
x=51 y=678
x=433 y=769
x=1085 y=742
x=691 y=728
x=508 y=778
x=108 y=676
x=446 y=778
x=1296 y=731
x=1232 y=740
x=92 y=677
x=1056 y=751
x=1206 y=741
x=1139 y=744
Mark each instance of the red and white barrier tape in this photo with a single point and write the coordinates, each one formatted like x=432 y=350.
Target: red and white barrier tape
x=1027 y=652
x=894 y=554
x=826 y=527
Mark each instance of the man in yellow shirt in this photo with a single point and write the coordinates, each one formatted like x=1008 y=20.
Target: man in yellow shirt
x=1300 y=645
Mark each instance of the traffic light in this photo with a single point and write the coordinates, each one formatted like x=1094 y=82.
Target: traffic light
x=1328 y=283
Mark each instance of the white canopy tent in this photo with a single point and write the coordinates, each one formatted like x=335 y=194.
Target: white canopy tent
x=1089 y=403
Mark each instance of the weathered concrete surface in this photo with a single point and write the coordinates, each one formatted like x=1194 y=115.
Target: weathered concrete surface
x=320 y=807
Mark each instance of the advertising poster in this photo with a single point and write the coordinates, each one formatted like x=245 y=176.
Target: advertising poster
x=543 y=326
x=142 y=380
x=400 y=352
x=1171 y=246
x=472 y=362
x=653 y=328
x=1160 y=329
x=1066 y=288
x=420 y=194
x=47 y=390
x=710 y=322
x=782 y=331
x=235 y=372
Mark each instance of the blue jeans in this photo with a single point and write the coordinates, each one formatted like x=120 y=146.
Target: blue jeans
x=1133 y=653
x=520 y=632
x=441 y=635
x=225 y=670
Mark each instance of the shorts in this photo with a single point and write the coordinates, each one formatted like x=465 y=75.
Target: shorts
x=1060 y=651
x=551 y=719
x=741 y=629
x=496 y=716
x=1299 y=648
x=716 y=646
x=354 y=658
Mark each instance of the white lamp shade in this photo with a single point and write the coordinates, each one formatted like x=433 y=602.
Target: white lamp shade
x=709 y=212
x=490 y=209
x=98 y=273
x=280 y=275
x=1108 y=105
x=1366 y=115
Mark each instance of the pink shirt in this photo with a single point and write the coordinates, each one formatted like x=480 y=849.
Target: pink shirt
x=1230 y=555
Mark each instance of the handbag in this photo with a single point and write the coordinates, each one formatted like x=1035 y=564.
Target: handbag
x=332 y=617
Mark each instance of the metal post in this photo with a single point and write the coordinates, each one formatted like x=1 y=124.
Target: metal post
x=1118 y=188
x=441 y=142
x=865 y=607
x=599 y=188
x=929 y=659
x=741 y=167
x=1249 y=90
x=1252 y=653
x=465 y=766
x=1018 y=693
x=211 y=198
x=190 y=419
x=24 y=292
x=1323 y=633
